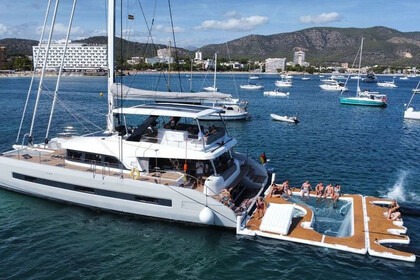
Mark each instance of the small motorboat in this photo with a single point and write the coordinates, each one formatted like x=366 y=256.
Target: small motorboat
x=284 y=118
x=276 y=92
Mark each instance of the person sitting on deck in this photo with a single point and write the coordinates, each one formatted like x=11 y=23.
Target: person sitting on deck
x=286 y=189
x=172 y=123
x=393 y=207
x=276 y=190
x=337 y=190
x=212 y=129
x=225 y=196
x=395 y=216
x=305 y=189
x=329 y=191
x=319 y=190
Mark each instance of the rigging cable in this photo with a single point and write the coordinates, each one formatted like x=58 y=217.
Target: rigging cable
x=44 y=66
x=60 y=70
x=176 y=49
x=36 y=61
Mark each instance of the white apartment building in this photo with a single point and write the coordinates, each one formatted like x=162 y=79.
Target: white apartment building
x=275 y=65
x=78 y=56
x=299 y=57
x=198 y=55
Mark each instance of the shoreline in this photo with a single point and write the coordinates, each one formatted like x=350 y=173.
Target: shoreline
x=128 y=73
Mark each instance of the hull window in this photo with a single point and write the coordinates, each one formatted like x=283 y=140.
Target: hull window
x=93 y=191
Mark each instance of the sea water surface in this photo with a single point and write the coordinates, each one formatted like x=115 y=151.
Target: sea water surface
x=372 y=151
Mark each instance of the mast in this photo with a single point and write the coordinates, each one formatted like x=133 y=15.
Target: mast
x=360 y=66
x=169 y=67
x=111 y=65
x=215 y=71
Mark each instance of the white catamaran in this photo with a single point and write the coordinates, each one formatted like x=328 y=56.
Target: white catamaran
x=171 y=166
x=174 y=166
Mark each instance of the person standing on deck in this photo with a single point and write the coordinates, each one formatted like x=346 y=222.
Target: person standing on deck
x=199 y=170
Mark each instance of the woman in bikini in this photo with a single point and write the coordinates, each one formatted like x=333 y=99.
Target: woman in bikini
x=319 y=190
x=336 y=195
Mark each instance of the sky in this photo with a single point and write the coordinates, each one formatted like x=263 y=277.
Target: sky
x=201 y=22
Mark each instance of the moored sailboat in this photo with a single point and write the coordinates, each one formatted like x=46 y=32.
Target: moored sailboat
x=364 y=98
x=409 y=112
x=213 y=87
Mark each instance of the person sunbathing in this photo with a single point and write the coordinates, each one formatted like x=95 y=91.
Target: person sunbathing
x=393 y=207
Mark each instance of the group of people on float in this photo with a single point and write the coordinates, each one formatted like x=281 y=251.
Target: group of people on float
x=283 y=190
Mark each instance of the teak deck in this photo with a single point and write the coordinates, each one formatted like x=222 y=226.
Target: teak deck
x=370 y=228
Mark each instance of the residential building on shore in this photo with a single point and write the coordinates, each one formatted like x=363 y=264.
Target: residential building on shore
x=78 y=56
x=275 y=65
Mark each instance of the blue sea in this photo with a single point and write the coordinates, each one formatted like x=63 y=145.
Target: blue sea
x=372 y=151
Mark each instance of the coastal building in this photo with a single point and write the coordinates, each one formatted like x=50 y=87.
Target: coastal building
x=299 y=57
x=78 y=56
x=163 y=56
x=154 y=60
x=198 y=55
x=209 y=64
x=275 y=65
x=135 y=60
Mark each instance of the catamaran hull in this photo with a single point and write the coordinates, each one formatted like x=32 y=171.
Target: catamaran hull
x=114 y=194
x=411 y=114
x=226 y=117
x=362 y=102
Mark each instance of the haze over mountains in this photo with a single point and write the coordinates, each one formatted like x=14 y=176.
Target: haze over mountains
x=323 y=45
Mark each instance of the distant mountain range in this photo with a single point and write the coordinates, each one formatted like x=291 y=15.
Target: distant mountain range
x=322 y=45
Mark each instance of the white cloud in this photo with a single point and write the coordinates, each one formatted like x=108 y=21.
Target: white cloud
x=3 y=29
x=321 y=18
x=234 y=22
x=167 y=29
x=60 y=31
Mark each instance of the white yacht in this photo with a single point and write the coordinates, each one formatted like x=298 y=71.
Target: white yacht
x=252 y=86
x=284 y=83
x=231 y=108
x=170 y=166
x=387 y=84
x=333 y=85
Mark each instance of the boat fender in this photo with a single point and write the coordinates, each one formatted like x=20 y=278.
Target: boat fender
x=135 y=173
x=206 y=216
